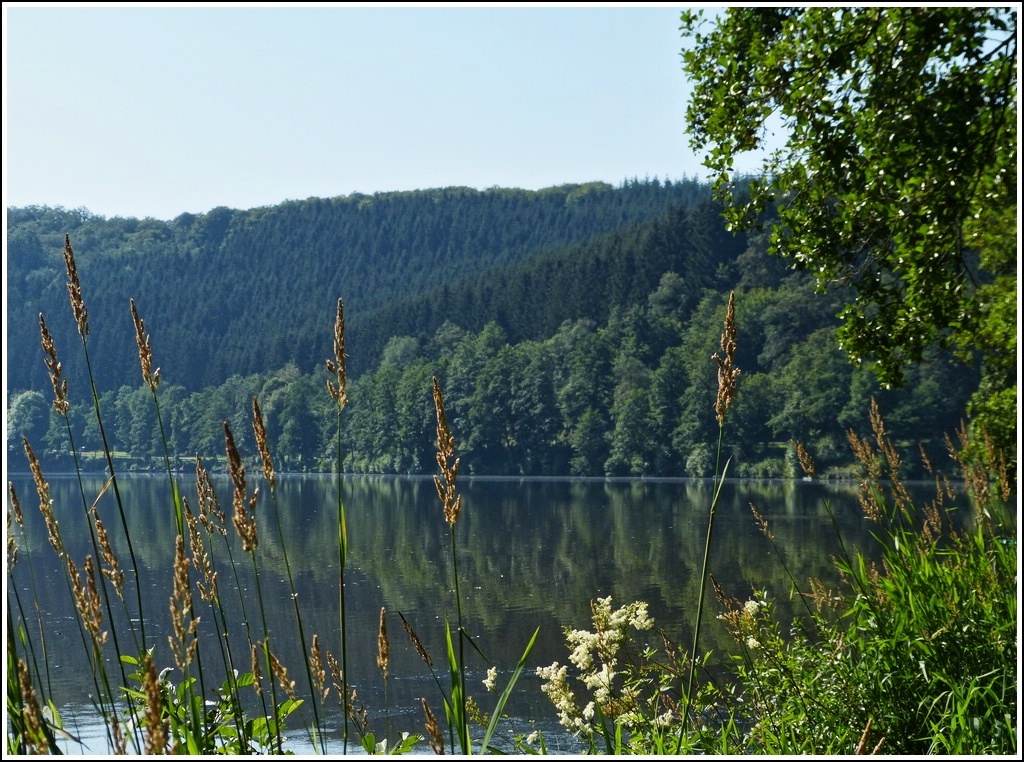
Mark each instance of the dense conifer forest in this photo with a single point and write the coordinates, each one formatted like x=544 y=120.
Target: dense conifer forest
x=572 y=329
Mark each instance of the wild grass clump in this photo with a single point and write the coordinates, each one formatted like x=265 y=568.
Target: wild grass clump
x=913 y=654
x=161 y=697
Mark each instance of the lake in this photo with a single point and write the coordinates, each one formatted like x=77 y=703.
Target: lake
x=531 y=553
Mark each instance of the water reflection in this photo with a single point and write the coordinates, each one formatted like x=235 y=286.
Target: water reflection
x=532 y=553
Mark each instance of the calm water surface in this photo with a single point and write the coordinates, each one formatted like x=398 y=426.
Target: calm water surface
x=531 y=553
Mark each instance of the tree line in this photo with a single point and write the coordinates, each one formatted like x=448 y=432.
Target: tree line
x=631 y=395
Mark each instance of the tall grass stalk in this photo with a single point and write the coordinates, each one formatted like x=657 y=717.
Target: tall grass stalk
x=87 y=614
x=457 y=705
x=384 y=665
x=211 y=518
x=244 y=520
x=260 y=433
x=728 y=374
x=182 y=603
x=338 y=389
x=163 y=716
x=81 y=315
x=22 y=737
x=97 y=533
x=14 y=512
x=451 y=501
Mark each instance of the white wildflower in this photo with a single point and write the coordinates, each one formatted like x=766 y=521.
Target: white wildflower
x=583 y=643
x=556 y=688
x=639 y=618
x=492 y=676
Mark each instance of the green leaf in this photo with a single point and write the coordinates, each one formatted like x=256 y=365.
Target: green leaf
x=499 y=708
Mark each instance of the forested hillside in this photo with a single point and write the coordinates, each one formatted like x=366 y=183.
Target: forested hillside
x=248 y=291
x=572 y=331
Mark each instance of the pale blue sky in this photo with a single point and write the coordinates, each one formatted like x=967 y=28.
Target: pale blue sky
x=154 y=111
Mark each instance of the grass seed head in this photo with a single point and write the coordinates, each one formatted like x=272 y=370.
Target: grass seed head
x=120 y=742
x=316 y=668
x=245 y=507
x=806 y=463
x=75 y=289
x=211 y=515
x=416 y=641
x=383 y=646
x=13 y=511
x=257 y=673
x=260 y=430
x=150 y=377
x=200 y=558
x=156 y=727
x=728 y=373
x=446 y=461
x=183 y=643
x=45 y=501
x=433 y=733
x=113 y=568
x=287 y=684
x=53 y=368
x=336 y=367
x=31 y=715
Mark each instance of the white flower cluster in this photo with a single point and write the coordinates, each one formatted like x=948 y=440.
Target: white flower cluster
x=595 y=655
x=492 y=676
x=556 y=687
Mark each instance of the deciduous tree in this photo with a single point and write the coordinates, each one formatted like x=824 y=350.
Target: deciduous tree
x=899 y=158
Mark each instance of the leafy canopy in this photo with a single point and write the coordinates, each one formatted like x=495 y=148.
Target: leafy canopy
x=900 y=156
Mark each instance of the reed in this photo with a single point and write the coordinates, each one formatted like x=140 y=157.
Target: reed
x=204 y=527
x=81 y=315
x=267 y=465
x=244 y=521
x=384 y=665
x=337 y=387
x=185 y=644
x=451 y=502
x=458 y=707
x=728 y=374
x=97 y=532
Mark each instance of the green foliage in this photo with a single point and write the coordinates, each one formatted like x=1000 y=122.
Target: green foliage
x=629 y=397
x=28 y=415
x=247 y=291
x=406 y=743
x=898 y=174
x=914 y=654
x=916 y=657
x=226 y=728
